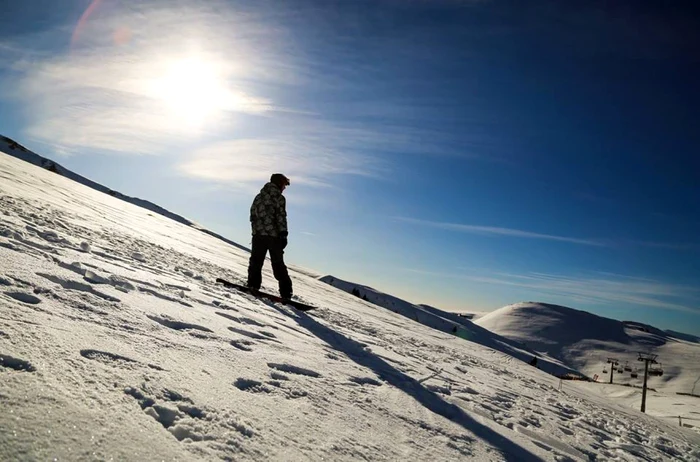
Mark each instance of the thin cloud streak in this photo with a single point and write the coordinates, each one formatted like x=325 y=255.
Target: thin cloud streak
x=251 y=160
x=599 y=291
x=664 y=245
x=607 y=291
x=497 y=231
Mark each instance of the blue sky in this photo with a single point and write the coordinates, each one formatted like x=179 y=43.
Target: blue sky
x=464 y=154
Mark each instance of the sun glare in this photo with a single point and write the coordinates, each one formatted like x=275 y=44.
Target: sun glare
x=193 y=91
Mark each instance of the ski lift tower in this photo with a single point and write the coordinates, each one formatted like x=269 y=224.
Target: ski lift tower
x=613 y=364
x=647 y=358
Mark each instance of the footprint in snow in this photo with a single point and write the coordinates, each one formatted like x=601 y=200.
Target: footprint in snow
x=77 y=286
x=162 y=296
x=177 y=287
x=255 y=386
x=138 y=256
x=24 y=297
x=294 y=393
x=243 y=345
x=106 y=357
x=95 y=278
x=223 y=306
x=293 y=369
x=10 y=246
x=468 y=389
x=172 y=395
x=439 y=389
x=567 y=413
x=251 y=386
x=187 y=272
x=249 y=334
x=177 y=414
x=530 y=420
x=227 y=316
x=566 y=431
x=542 y=445
x=365 y=381
x=16 y=364
x=177 y=325
x=203 y=335
x=278 y=376
x=48 y=235
x=499 y=402
x=91 y=309
x=252 y=322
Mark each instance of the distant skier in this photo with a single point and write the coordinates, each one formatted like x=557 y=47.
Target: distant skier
x=268 y=219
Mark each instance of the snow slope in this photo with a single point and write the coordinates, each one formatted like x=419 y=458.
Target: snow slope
x=13 y=148
x=115 y=342
x=450 y=323
x=584 y=341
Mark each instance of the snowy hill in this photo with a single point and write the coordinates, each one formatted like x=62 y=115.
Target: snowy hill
x=584 y=341
x=116 y=343
x=398 y=305
x=451 y=323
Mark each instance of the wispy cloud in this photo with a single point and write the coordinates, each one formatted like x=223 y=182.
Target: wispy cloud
x=647 y=293
x=251 y=160
x=608 y=289
x=518 y=233
x=155 y=79
x=664 y=245
x=498 y=231
x=136 y=97
x=160 y=77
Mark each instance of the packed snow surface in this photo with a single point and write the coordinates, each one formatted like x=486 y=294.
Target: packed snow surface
x=116 y=343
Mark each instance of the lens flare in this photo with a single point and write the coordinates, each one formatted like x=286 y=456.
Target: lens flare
x=121 y=35
x=83 y=21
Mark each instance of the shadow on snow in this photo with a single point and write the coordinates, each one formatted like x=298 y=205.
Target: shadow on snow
x=390 y=374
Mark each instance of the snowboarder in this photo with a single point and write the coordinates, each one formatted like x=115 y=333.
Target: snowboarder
x=268 y=219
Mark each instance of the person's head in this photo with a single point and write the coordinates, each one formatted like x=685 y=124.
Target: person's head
x=280 y=180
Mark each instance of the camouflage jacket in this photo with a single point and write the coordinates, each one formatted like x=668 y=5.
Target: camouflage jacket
x=268 y=214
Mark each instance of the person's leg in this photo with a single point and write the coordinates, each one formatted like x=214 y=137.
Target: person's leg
x=257 y=260
x=279 y=269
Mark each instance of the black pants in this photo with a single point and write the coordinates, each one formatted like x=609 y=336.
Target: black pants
x=261 y=244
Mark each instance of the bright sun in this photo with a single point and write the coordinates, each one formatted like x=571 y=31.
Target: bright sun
x=193 y=91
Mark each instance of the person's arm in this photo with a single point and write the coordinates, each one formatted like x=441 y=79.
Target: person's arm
x=282 y=218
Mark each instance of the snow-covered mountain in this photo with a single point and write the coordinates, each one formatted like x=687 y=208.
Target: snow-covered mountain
x=584 y=341
x=116 y=343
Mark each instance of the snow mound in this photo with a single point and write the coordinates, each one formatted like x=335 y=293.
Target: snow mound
x=451 y=323
x=584 y=341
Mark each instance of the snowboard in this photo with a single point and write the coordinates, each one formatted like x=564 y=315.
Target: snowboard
x=274 y=298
